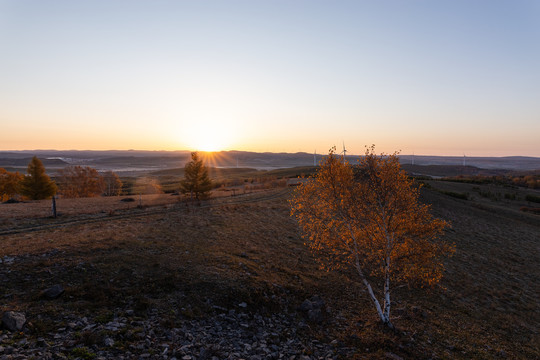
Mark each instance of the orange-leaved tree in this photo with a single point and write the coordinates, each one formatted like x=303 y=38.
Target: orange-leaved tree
x=9 y=184
x=80 y=181
x=112 y=184
x=369 y=217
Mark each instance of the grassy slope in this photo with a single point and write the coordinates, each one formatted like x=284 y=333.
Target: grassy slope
x=183 y=262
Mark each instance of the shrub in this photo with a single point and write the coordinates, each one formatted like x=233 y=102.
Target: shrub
x=533 y=198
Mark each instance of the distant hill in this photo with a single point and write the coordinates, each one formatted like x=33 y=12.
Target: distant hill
x=136 y=162
x=505 y=162
x=23 y=162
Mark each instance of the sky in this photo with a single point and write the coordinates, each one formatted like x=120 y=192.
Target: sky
x=424 y=77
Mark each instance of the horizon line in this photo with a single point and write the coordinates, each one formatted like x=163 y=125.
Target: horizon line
x=266 y=152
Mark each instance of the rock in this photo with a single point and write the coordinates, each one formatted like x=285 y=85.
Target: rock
x=315 y=315
x=8 y=259
x=306 y=306
x=13 y=321
x=205 y=354
x=392 y=356
x=108 y=342
x=53 y=292
x=314 y=309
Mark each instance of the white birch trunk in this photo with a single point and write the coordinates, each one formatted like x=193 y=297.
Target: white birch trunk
x=387 y=302
x=384 y=315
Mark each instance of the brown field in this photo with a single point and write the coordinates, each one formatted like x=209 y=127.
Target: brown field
x=71 y=207
x=186 y=259
x=39 y=212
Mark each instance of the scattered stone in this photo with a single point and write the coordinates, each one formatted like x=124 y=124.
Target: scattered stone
x=53 y=292
x=314 y=309
x=225 y=334
x=392 y=356
x=13 y=321
x=8 y=259
x=242 y=305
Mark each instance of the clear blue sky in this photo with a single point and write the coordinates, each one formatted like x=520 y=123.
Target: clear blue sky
x=429 y=77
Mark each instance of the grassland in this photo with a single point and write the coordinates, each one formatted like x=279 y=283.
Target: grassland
x=184 y=260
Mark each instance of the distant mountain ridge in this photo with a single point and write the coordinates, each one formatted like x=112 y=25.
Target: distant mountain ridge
x=135 y=160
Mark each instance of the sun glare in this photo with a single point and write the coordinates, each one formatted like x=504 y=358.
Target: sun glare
x=207 y=137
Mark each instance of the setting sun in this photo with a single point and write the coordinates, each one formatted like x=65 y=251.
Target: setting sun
x=207 y=136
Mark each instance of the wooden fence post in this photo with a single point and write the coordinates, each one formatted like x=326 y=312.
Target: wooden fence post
x=54 y=206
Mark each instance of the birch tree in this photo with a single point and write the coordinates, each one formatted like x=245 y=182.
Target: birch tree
x=112 y=184
x=369 y=217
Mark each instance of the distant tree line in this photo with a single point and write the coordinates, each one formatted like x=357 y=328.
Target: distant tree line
x=71 y=182
x=83 y=181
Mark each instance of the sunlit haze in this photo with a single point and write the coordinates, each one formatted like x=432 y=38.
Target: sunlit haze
x=423 y=77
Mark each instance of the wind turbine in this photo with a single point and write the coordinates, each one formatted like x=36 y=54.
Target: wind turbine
x=315 y=158
x=344 y=152
x=412 y=163
x=464 y=159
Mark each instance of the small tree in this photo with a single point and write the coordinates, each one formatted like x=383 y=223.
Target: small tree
x=37 y=185
x=79 y=181
x=196 y=181
x=369 y=217
x=112 y=184
x=9 y=184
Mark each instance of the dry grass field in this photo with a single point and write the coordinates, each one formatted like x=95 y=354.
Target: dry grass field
x=39 y=212
x=71 y=207
x=185 y=261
